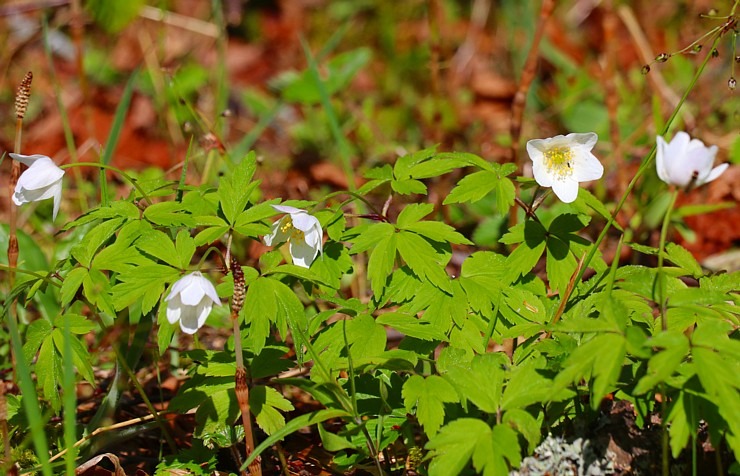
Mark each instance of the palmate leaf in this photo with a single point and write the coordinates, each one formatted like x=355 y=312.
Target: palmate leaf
x=236 y=187
x=266 y=403
x=428 y=396
x=531 y=237
x=424 y=260
x=474 y=187
x=480 y=380
x=601 y=358
x=145 y=284
x=661 y=366
x=493 y=450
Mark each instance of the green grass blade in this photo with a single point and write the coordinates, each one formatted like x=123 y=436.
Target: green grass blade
x=115 y=134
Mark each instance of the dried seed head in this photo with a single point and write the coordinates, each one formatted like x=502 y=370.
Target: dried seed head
x=662 y=58
x=645 y=69
x=237 y=300
x=21 y=98
x=731 y=83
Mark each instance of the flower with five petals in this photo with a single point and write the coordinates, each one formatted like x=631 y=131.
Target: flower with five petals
x=190 y=301
x=685 y=161
x=561 y=162
x=302 y=232
x=42 y=180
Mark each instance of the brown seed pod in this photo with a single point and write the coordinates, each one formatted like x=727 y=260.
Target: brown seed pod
x=21 y=98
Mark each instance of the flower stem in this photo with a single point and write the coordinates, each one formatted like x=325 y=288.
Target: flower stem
x=660 y=277
x=123 y=174
x=646 y=163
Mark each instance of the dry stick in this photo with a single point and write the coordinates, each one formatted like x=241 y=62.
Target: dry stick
x=242 y=387
x=609 y=26
x=78 y=29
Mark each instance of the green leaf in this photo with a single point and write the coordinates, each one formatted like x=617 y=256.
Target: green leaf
x=408 y=187
x=437 y=231
x=37 y=331
x=664 y=363
x=428 y=396
x=77 y=324
x=481 y=380
x=465 y=438
x=49 y=372
x=266 y=404
x=531 y=236
x=145 y=284
x=473 y=187
x=683 y=258
x=159 y=245
x=169 y=214
x=424 y=260
x=404 y=165
x=411 y=326
x=412 y=213
x=523 y=422
x=94 y=239
x=338 y=71
x=70 y=285
x=236 y=187
x=260 y=307
x=294 y=425
x=80 y=355
x=381 y=262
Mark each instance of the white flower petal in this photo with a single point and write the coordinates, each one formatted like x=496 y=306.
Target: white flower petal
x=716 y=172
x=287 y=209
x=304 y=221
x=27 y=159
x=302 y=253
x=565 y=190
x=587 y=168
x=190 y=301
x=277 y=235
x=587 y=140
x=685 y=160
x=561 y=162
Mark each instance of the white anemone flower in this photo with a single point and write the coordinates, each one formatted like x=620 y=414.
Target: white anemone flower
x=685 y=161
x=190 y=301
x=42 y=180
x=302 y=232
x=561 y=162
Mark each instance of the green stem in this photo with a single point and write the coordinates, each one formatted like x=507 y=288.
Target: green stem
x=647 y=162
x=123 y=174
x=660 y=277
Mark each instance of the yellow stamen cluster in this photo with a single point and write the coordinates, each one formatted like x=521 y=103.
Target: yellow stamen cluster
x=288 y=228
x=559 y=161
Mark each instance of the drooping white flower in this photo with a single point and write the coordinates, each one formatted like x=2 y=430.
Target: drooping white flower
x=190 y=301
x=683 y=160
x=302 y=232
x=42 y=180
x=561 y=162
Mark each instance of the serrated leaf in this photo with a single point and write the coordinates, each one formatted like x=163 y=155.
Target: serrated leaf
x=236 y=187
x=84 y=252
x=37 y=331
x=158 y=244
x=683 y=258
x=480 y=381
x=77 y=324
x=260 y=307
x=185 y=246
x=70 y=285
x=169 y=214
x=381 y=262
x=437 y=231
x=412 y=213
x=467 y=438
x=145 y=284
x=423 y=260
x=48 y=372
x=665 y=362
x=80 y=355
x=266 y=404
x=411 y=326
x=428 y=396
x=408 y=187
